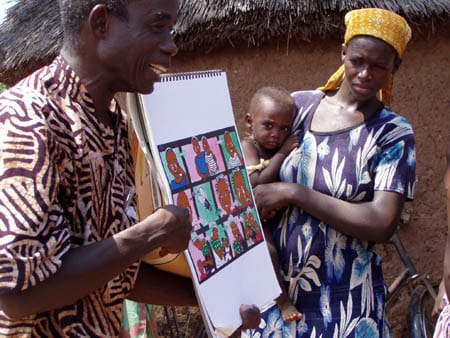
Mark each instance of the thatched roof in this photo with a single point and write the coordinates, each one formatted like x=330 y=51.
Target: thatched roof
x=31 y=34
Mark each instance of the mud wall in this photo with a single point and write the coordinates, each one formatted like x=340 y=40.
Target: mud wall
x=421 y=93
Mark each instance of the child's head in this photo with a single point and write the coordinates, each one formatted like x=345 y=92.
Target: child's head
x=270 y=116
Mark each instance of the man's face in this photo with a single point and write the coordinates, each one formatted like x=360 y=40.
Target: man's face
x=136 y=50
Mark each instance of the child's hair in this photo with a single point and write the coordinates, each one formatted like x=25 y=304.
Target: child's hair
x=278 y=94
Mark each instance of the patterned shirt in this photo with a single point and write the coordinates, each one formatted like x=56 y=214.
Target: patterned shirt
x=65 y=182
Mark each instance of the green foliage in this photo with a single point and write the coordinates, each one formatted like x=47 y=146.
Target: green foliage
x=3 y=87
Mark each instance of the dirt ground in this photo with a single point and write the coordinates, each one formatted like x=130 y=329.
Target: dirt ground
x=420 y=93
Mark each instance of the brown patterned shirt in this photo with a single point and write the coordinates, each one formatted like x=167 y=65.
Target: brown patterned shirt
x=65 y=182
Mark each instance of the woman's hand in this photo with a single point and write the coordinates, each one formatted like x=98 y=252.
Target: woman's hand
x=272 y=197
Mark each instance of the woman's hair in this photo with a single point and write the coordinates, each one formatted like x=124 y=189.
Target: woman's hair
x=75 y=12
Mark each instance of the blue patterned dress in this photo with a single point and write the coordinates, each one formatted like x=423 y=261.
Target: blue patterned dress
x=335 y=280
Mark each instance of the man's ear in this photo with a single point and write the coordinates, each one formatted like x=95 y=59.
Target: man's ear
x=98 y=20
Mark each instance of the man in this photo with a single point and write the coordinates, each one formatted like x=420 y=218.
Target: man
x=69 y=253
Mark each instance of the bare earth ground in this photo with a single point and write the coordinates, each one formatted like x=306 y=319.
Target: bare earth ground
x=188 y=319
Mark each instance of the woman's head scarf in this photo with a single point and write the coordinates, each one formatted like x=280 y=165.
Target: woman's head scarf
x=382 y=24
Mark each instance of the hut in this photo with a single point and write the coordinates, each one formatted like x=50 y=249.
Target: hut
x=295 y=44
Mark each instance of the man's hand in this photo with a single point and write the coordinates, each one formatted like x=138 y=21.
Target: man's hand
x=174 y=227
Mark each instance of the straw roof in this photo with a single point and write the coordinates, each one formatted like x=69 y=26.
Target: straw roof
x=31 y=34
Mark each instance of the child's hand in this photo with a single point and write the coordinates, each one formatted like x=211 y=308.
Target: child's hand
x=290 y=144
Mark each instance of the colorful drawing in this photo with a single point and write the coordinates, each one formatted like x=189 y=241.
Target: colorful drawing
x=241 y=188
x=252 y=229
x=211 y=159
x=232 y=152
x=224 y=197
x=202 y=254
x=205 y=202
x=184 y=199
x=178 y=177
x=239 y=244
x=220 y=245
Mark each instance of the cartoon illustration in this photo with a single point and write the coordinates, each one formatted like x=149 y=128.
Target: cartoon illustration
x=201 y=270
x=239 y=243
x=241 y=189
x=207 y=260
x=210 y=157
x=235 y=158
x=221 y=246
x=205 y=202
x=223 y=194
x=251 y=228
x=183 y=201
x=201 y=164
x=180 y=178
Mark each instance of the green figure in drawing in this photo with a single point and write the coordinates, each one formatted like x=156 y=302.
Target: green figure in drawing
x=206 y=206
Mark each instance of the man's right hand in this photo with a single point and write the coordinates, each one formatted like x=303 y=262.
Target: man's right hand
x=174 y=227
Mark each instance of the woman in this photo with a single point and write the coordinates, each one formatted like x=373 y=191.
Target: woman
x=343 y=188
x=442 y=306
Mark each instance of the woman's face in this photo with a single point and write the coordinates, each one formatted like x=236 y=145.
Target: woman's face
x=368 y=62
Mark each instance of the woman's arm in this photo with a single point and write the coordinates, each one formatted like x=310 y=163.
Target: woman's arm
x=374 y=221
x=446 y=276
x=88 y=268
x=158 y=287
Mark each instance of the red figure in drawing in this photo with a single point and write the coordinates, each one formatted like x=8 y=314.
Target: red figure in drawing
x=221 y=247
x=210 y=157
x=208 y=261
x=183 y=202
x=224 y=195
x=200 y=159
x=243 y=194
x=201 y=270
x=180 y=178
x=239 y=244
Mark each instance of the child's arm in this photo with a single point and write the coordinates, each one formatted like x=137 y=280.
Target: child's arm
x=447 y=248
x=270 y=173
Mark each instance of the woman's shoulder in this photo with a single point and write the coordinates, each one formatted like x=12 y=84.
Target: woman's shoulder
x=306 y=101
x=305 y=97
x=388 y=116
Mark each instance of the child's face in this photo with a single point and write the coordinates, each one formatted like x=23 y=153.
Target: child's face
x=270 y=123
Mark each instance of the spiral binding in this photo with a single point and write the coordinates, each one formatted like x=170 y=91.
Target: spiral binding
x=190 y=75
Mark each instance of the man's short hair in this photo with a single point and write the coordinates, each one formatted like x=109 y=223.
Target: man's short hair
x=74 y=13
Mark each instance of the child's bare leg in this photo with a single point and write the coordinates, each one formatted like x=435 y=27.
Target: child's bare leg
x=288 y=310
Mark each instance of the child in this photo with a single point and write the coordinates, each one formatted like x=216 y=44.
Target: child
x=269 y=119
x=442 y=306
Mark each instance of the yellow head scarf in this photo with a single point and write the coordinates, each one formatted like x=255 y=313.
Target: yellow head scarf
x=382 y=24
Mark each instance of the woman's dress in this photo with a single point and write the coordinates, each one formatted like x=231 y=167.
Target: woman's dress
x=335 y=280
